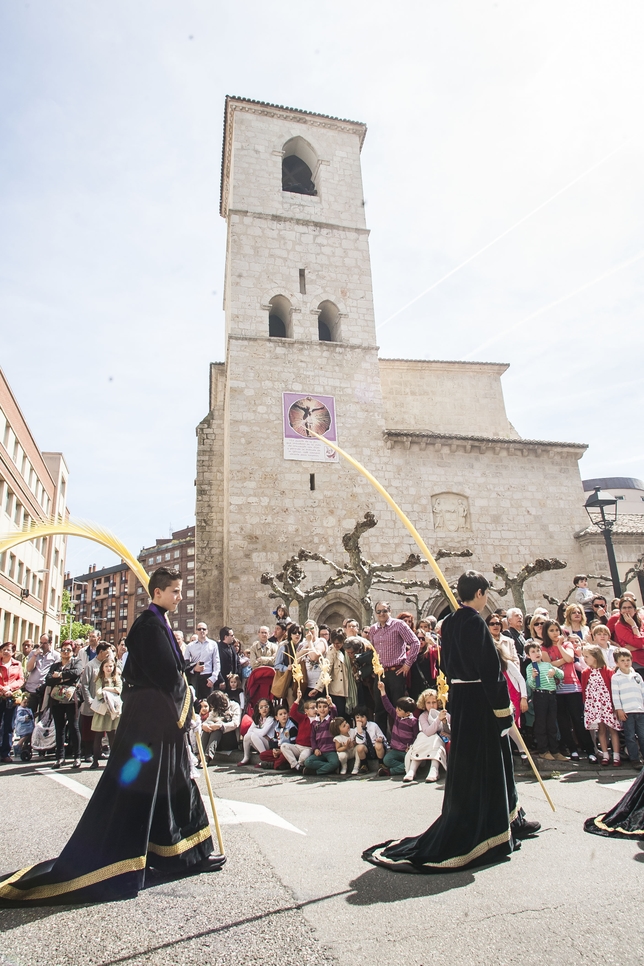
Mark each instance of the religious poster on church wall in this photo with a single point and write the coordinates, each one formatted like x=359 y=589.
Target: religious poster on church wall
x=302 y=413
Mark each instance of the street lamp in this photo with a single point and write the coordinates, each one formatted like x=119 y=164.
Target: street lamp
x=597 y=505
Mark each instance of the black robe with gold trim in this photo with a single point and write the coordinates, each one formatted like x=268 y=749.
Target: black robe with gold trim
x=480 y=799
x=146 y=811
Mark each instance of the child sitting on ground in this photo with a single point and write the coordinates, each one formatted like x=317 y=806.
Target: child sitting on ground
x=433 y=725
x=540 y=678
x=324 y=759
x=345 y=745
x=285 y=734
x=224 y=716
x=627 y=689
x=303 y=714
x=599 y=713
x=404 y=732
x=371 y=744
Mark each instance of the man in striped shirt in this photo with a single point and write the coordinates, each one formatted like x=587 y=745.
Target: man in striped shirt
x=397 y=647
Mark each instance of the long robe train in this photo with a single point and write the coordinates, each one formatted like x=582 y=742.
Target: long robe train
x=626 y=819
x=480 y=798
x=145 y=812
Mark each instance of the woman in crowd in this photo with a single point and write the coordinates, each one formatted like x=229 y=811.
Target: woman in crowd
x=408 y=619
x=628 y=633
x=570 y=706
x=433 y=725
x=258 y=736
x=63 y=680
x=575 y=622
x=107 y=706
x=312 y=649
x=504 y=644
x=340 y=671
x=287 y=654
x=536 y=628
x=11 y=680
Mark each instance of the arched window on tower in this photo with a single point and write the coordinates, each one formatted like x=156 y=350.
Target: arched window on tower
x=280 y=325
x=328 y=322
x=299 y=167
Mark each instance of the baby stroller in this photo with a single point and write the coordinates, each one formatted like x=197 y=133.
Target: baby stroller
x=43 y=737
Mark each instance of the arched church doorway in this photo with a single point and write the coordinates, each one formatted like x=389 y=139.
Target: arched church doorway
x=335 y=609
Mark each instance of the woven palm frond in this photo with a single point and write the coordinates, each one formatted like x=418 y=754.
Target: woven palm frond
x=57 y=526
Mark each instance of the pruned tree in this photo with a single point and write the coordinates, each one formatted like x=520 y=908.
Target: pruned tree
x=369 y=573
x=515 y=584
x=287 y=584
x=635 y=572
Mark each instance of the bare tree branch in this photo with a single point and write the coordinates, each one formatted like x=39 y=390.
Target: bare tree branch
x=516 y=584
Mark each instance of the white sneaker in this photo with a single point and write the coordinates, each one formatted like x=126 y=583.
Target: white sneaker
x=433 y=774
x=409 y=777
x=343 y=770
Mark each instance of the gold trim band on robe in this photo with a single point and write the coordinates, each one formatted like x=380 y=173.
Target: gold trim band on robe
x=8 y=891
x=502 y=712
x=607 y=828
x=166 y=851
x=186 y=705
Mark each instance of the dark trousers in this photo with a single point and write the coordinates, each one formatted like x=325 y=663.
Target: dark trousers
x=202 y=691
x=634 y=734
x=64 y=714
x=35 y=699
x=6 y=720
x=341 y=704
x=98 y=742
x=570 y=718
x=396 y=687
x=544 y=704
x=87 y=735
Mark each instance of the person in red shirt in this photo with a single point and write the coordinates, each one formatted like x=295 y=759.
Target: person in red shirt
x=11 y=680
x=627 y=631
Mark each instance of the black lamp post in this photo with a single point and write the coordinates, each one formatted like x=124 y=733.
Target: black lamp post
x=596 y=506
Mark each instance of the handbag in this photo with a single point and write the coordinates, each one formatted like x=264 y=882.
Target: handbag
x=283 y=680
x=63 y=693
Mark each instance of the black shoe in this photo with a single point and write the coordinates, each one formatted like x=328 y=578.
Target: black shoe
x=523 y=829
x=94 y=764
x=59 y=763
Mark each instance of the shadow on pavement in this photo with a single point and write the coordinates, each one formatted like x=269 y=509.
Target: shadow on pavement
x=381 y=885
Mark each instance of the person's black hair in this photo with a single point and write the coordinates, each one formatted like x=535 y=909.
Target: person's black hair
x=338 y=635
x=469 y=583
x=406 y=704
x=161 y=579
x=323 y=627
x=362 y=710
x=103 y=646
x=283 y=624
x=294 y=629
x=224 y=632
x=271 y=710
x=579 y=577
x=599 y=597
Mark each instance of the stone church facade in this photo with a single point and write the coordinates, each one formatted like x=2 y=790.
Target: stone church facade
x=300 y=319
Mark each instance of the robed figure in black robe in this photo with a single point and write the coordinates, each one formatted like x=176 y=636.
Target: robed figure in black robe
x=480 y=801
x=146 y=812
x=626 y=819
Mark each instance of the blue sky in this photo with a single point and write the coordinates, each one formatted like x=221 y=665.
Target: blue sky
x=112 y=248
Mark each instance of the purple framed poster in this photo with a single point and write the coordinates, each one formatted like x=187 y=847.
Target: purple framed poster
x=301 y=413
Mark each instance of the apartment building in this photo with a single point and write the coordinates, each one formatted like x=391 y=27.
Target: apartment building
x=33 y=486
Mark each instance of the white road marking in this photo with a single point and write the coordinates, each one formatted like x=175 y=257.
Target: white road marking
x=229 y=812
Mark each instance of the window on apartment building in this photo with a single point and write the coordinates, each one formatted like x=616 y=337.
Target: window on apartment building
x=139 y=589
x=167 y=556
x=190 y=622
x=21 y=568
x=190 y=564
x=3 y=559
x=12 y=565
x=158 y=558
x=190 y=579
x=190 y=550
x=190 y=593
x=52 y=597
x=8 y=503
x=190 y=608
x=17 y=515
x=177 y=553
x=150 y=560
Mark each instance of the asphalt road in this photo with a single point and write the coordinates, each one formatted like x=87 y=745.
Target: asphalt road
x=295 y=890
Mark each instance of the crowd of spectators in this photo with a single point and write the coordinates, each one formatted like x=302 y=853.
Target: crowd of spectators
x=347 y=700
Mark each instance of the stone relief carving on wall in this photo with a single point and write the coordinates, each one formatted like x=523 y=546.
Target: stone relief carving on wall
x=451 y=512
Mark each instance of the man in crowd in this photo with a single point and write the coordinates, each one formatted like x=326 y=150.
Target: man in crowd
x=202 y=659
x=88 y=653
x=397 y=647
x=24 y=652
x=38 y=664
x=278 y=634
x=263 y=651
x=228 y=677
x=515 y=631
x=600 y=609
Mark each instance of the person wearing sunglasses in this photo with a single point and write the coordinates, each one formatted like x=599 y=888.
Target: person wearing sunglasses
x=397 y=647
